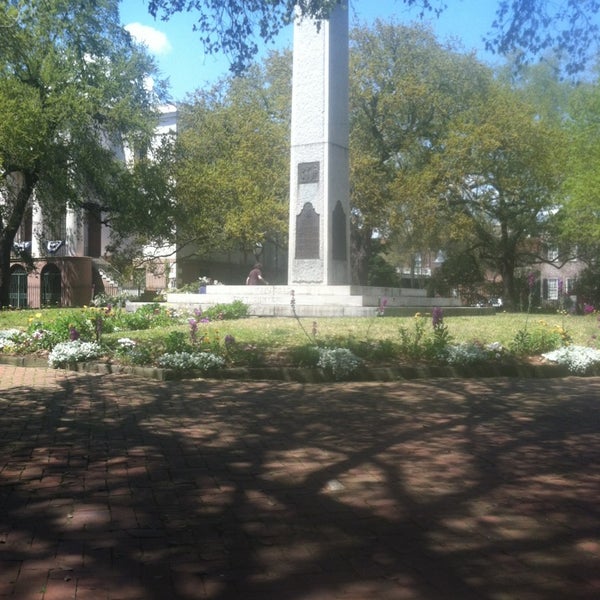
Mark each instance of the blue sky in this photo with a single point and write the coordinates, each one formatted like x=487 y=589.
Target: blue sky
x=181 y=58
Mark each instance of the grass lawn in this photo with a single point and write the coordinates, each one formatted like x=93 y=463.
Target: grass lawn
x=277 y=334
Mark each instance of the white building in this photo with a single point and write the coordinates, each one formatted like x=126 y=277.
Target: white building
x=70 y=257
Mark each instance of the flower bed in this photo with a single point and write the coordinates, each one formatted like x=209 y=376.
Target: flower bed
x=192 y=345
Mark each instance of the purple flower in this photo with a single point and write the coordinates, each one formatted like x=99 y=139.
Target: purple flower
x=588 y=309
x=193 y=329
x=229 y=340
x=73 y=334
x=560 y=287
x=437 y=317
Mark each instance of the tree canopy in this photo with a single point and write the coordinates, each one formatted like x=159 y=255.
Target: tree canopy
x=510 y=168
x=232 y=168
x=406 y=88
x=524 y=29
x=579 y=219
x=73 y=94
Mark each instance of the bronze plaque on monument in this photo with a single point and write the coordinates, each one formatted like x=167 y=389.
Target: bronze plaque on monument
x=308 y=172
x=307 y=232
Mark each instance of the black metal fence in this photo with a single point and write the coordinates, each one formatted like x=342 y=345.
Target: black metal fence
x=24 y=295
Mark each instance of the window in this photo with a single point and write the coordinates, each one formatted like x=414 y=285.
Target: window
x=570 y=286
x=575 y=252
x=553 y=289
x=552 y=254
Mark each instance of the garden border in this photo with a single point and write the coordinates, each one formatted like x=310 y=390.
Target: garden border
x=312 y=375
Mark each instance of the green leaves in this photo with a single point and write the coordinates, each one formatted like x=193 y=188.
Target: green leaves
x=232 y=167
x=73 y=94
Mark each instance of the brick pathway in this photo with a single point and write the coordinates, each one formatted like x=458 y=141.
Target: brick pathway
x=119 y=488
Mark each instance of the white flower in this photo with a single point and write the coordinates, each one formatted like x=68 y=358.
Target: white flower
x=340 y=361
x=495 y=347
x=187 y=361
x=465 y=353
x=6 y=334
x=7 y=345
x=10 y=339
x=126 y=342
x=74 y=351
x=578 y=359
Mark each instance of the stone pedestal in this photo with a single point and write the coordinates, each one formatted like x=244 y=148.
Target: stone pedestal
x=315 y=300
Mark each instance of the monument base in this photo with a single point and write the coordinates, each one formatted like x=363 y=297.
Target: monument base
x=319 y=300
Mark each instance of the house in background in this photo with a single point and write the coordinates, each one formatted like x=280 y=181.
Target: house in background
x=70 y=259
x=558 y=278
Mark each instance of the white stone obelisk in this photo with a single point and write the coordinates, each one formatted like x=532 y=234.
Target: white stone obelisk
x=319 y=247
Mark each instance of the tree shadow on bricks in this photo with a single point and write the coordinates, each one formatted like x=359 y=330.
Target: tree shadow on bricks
x=114 y=487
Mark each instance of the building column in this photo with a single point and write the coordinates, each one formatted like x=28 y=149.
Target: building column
x=37 y=230
x=74 y=241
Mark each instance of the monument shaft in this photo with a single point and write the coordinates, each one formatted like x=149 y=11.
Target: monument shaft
x=319 y=248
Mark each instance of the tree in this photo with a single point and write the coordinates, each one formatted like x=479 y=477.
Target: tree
x=72 y=90
x=501 y=172
x=232 y=170
x=524 y=29
x=405 y=90
x=579 y=219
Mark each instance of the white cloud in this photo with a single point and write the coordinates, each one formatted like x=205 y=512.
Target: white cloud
x=156 y=41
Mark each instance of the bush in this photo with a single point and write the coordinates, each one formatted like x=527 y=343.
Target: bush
x=185 y=361
x=11 y=340
x=305 y=356
x=130 y=352
x=578 y=359
x=71 y=352
x=146 y=316
x=422 y=343
x=177 y=341
x=469 y=353
x=222 y=312
x=63 y=328
x=340 y=362
x=538 y=340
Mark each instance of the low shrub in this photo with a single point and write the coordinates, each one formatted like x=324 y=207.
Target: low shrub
x=578 y=359
x=470 y=353
x=186 y=361
x=306 y=355
x=530 y=342
x=11 y=340
x=423 y=343
x=222 y=312
x=339 y=362
x=146 y=316
x=74 y=351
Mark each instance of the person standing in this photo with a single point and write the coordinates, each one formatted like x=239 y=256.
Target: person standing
x=255 y=277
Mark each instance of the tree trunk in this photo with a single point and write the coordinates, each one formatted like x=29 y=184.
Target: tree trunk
x=19 y=189
x=509 y=299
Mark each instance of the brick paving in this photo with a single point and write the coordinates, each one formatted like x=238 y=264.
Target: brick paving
x=118 y=488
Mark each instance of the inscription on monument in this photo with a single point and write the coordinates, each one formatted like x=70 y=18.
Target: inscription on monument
x=307 y=232
x=308 y=172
